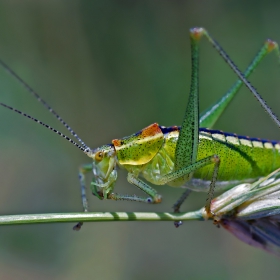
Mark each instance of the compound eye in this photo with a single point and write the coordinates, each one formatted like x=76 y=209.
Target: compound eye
x=99 y=155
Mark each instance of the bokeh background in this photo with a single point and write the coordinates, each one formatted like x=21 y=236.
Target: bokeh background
x=111 y=68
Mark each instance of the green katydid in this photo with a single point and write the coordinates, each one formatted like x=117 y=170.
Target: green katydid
x=190 y=156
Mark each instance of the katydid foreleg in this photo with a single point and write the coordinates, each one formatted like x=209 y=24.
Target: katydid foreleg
x=153 y=196
x=83 y=170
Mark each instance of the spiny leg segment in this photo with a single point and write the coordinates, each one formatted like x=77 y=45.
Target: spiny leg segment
x=187 y=144
x=270 y=45
x=82 y=171
x=211 y=115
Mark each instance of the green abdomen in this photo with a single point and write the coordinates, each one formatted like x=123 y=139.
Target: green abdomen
x=241 y=157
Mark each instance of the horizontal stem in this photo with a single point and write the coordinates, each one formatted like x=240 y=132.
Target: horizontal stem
x=99 y=217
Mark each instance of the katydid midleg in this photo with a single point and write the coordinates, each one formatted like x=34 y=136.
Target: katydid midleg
x=191 y=156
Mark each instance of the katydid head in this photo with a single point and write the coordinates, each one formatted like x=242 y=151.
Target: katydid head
x=104 y=158
x=104 y=162
x=104 y=169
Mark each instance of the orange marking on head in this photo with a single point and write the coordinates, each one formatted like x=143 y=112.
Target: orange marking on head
x=151 y=130
x=117 y=142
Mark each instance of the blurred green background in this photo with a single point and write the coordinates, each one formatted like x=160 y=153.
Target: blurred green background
x=111 y=68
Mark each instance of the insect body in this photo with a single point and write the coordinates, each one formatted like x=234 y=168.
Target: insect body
x=189 y=156
x=239 y=158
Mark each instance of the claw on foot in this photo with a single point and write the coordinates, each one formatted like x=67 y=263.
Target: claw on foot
x=78 y=226
x=178 y=223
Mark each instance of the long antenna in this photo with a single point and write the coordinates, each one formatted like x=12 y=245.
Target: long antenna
x=37 y=96
x=86 y=150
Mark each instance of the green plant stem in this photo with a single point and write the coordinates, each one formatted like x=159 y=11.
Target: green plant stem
x=99 y=217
